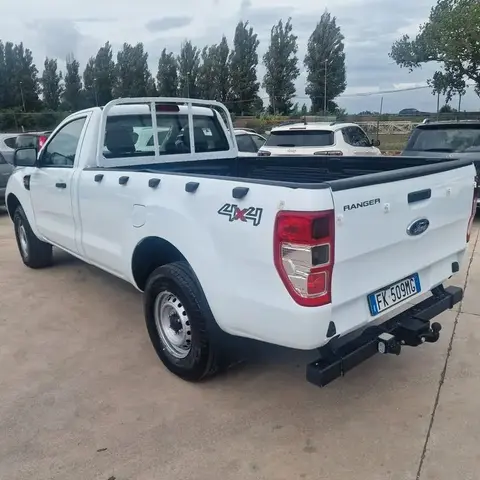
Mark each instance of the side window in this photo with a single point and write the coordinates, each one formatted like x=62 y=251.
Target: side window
x=60 y=151
x=10 y=142
x=258 y=141
x=356 y=137
x=245 y=144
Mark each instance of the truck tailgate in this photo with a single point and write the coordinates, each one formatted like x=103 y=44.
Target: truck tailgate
x=404 y=235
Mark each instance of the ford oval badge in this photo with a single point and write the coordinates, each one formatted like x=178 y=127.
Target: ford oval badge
x=418 y=227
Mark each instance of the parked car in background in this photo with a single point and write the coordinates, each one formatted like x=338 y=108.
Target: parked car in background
x=6 y=170
x=32 y=139
x=446 y=139
x=7 y=145
x=248 y=141
x=336 y=139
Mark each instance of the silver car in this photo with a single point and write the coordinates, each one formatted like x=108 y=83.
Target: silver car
x=7 y=145
x=5 y=172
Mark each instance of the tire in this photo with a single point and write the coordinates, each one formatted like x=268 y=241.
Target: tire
x=184 y=343
x=34 y=252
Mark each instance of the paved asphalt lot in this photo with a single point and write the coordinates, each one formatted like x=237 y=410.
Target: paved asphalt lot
x=83 y=396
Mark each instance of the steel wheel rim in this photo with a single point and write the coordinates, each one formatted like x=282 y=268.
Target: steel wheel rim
x=23 y=240
x=173 y=325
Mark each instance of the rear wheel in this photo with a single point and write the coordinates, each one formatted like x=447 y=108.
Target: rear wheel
x=179 y=322
x=34 y=252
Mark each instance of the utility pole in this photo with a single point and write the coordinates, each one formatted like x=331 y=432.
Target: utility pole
x=188 y=84
x=438 y=105
x=273 y=101
x=23 y=98
x=325 y=91
x=378 y=118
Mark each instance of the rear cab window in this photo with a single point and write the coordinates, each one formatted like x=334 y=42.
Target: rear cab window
x=300 y=138
x=10 y=142
x=445 y=138
x=122 y=138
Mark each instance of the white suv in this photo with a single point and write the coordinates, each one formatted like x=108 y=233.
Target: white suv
x=334 y=139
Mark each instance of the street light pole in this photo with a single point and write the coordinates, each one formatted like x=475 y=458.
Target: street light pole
x=188 y=84
x=273 y=101
x=325 y=92
x=23 y=98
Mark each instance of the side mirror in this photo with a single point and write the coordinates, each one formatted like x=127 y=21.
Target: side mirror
x=375 y=143
x=25 y=157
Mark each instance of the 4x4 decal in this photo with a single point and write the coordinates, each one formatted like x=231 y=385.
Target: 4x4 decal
x=233 y=213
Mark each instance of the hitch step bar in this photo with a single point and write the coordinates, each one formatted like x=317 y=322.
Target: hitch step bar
x=410 y=328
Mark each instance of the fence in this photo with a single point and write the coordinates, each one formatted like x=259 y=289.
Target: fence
x=24 y=122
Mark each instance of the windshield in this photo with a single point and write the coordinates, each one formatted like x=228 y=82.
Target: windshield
x=445 y=139
x=302 y=138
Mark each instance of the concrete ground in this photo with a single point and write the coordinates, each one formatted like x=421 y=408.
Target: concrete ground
x=83 y=396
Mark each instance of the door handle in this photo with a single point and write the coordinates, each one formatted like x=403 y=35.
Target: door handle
x=61 y=185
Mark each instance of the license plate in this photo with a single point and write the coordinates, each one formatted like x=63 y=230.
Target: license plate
x=392 y=295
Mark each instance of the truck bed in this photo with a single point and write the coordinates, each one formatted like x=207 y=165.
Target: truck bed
x=337 y=173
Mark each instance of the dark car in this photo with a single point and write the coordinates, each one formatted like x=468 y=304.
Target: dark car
x=449 y=139
x=454 y=139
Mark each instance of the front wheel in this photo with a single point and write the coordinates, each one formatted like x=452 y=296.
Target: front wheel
x=34 y=252
x=178 y=319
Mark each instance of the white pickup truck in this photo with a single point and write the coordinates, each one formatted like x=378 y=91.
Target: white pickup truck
x=304 y=252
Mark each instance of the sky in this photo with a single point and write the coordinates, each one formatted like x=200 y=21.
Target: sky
x=57 y=29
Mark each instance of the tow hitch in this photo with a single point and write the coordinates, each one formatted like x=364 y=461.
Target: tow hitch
x=410 y=328
x=411 y=332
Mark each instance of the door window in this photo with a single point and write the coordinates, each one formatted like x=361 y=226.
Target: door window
x=245 y=144
x=356 y=137
x=258 y=141
x=61 y=150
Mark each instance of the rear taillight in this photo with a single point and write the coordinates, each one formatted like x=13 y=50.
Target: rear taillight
x=41 y=141
x=263 y=153
x=334 y=153
x=304 y=255
x=474 y=209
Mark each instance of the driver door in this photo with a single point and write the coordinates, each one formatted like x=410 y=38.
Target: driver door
x=51 y=185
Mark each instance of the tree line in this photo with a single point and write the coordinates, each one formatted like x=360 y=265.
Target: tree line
x=223 y=72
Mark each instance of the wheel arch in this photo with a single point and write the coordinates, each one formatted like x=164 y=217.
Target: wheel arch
x=150 y=253
x=12 y=204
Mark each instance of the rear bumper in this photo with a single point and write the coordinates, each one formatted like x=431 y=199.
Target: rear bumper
x=411 y=327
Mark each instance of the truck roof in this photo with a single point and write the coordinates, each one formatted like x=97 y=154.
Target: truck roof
x=138 y=109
